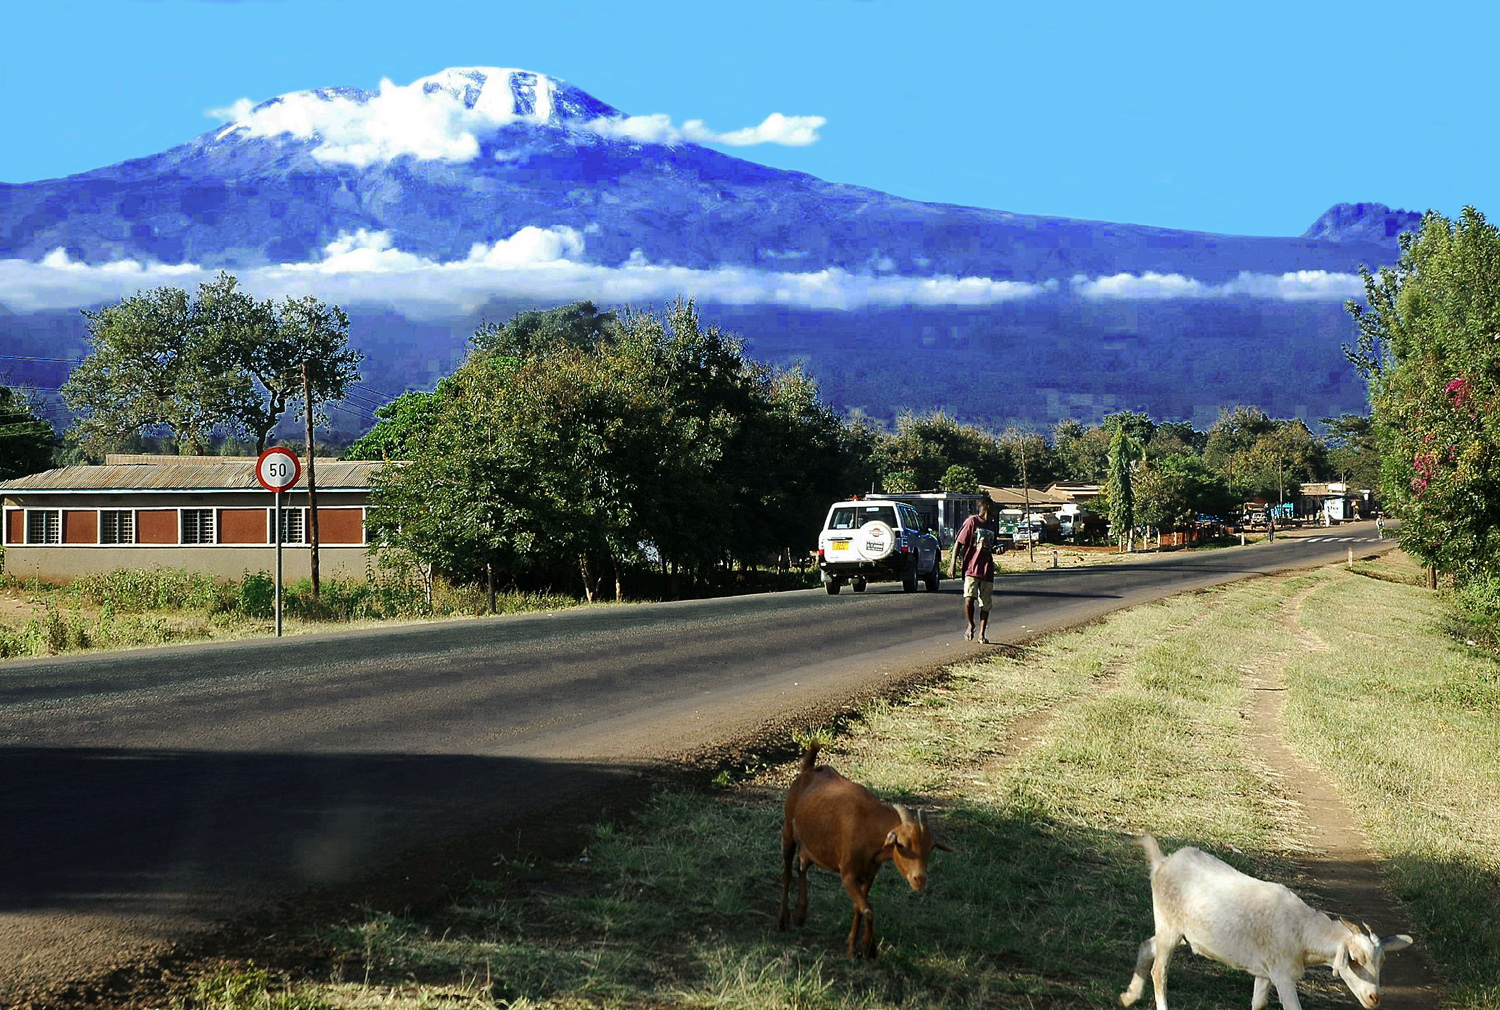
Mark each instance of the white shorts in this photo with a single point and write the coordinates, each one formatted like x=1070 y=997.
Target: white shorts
x=979 y=589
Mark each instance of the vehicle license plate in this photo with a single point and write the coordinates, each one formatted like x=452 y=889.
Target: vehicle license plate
x=839 y=545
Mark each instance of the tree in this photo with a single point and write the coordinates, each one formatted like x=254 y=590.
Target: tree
x=150 y=369
x=898 y=482
x=1176 y=490
x=1426 y=343
x=399 y=426
x=527 y=334
x=1083 y=453
x=927 y=445
x=1122 y=453
x=960 y=480
x=222 y=363
x=27 y=440
x=270 y=345
x=1352 y=450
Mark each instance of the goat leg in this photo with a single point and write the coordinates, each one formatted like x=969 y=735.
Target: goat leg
x=801 y=916
x=1166 y=944
x=788 y=848
x=858 y=891
x=1262 y=994
x=1286 y=990
x=1143 y=961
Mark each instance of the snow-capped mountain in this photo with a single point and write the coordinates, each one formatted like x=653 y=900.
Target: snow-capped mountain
x=1040 y=317
x=473 y=154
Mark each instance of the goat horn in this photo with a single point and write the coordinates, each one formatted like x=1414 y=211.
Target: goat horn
x=922 y=817
x=1368 y=931
x=904 y=813
x=1352 y=927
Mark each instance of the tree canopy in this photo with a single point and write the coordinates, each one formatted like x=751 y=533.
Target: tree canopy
x=221 y=363
x=1428 y=341
x=27 y=439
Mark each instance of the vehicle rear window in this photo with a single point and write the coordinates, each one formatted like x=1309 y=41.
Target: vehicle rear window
x=852 y=517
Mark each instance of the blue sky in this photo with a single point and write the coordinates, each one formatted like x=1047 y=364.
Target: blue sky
x=1241 y=119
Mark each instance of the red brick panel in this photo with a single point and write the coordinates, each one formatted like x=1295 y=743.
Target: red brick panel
x=242 y=526
x=80 y=526
x=15 y=527
x=156 y=526
x=340 y=526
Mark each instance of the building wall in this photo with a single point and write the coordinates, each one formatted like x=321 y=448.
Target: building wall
x=242 y=530
x=58 y=562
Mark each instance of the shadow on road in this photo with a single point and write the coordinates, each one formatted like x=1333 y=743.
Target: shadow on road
x=156 y=830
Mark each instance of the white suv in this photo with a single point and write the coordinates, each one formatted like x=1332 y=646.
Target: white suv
x=868 y=537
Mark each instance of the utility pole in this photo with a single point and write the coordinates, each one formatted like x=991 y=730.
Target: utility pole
x=1026 y=491
x=312 y=483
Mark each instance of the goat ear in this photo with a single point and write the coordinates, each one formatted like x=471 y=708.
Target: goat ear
x=1398 y=942
x=890 y=839
x=1341 y=959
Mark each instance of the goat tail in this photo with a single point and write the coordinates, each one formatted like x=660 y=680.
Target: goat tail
x=1153 y=851
x=809 y=758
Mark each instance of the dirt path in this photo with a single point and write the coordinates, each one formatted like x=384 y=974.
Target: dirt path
x=1343 y=875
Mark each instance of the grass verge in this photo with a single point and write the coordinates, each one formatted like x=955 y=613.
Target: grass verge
x=1038 y=767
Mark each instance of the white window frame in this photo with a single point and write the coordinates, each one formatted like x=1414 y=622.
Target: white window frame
x=198 y=538
x=51 y=531
x=123 y=528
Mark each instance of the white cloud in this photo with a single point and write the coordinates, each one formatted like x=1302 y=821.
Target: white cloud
x=428 y=120
x=547 y=264
x=1297 y=285
x=534 y=263
x=793 y=131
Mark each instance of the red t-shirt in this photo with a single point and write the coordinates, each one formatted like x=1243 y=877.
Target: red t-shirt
x=978 y=542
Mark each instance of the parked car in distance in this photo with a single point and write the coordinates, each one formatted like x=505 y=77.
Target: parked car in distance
x=866 y=538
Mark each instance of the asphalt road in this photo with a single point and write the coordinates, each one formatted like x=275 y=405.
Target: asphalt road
x=147 y=795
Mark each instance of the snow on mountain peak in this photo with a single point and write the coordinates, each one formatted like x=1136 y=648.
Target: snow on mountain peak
x=443 y=116
x=446 y=116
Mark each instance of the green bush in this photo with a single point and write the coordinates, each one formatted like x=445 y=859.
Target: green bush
x=257 y=595
x=1476 y=605
x=133 y=590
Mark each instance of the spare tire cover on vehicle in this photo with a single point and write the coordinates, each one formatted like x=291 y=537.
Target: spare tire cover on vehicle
x=874 y=541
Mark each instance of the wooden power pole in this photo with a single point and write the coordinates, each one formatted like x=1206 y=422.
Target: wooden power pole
x=312 y=482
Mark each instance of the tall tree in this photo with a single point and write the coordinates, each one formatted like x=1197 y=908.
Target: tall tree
x=220 y=363
x=27 y=439
x=268 y=344
x=150 y=369
x=1426 y=342
x=1118 y=491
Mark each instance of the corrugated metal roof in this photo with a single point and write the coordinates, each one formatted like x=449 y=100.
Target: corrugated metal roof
x=184 y=473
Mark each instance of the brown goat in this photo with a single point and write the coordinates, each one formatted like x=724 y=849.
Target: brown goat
x=843 y=827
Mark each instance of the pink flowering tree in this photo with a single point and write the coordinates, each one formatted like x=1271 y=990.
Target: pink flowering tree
x=1429 y=344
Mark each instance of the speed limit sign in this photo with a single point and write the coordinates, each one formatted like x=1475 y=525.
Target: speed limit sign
x=277 y=469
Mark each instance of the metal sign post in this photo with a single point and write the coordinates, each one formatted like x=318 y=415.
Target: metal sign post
x=277 y=469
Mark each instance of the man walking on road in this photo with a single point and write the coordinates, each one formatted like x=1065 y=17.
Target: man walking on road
x=976 y=541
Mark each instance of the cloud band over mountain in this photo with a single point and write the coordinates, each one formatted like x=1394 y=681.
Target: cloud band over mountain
x=546 y=265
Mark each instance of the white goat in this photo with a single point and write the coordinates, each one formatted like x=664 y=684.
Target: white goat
x=1253 y=925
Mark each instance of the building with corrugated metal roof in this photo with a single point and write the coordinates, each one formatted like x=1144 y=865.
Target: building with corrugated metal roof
x=203 y=513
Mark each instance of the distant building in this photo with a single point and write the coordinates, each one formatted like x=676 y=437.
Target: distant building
x=203 y=513
x=1335 y=502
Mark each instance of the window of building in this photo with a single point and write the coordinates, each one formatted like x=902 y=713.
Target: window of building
x=293 y=526
x=44 y=526
x=116 y=526
x=197 y=526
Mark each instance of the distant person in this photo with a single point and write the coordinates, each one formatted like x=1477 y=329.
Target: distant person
x=1380 y=525
x=976 y=542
